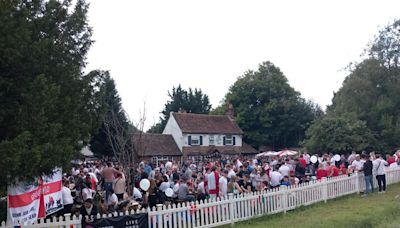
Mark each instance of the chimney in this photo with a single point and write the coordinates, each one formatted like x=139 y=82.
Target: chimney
x=229 y=111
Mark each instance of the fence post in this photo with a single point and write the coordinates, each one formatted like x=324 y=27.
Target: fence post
x=160 y=215
x=285 y=198
x=231 y=208
x=325 y=189
x=357 y=184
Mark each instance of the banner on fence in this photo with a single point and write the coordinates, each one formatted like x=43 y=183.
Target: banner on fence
x=52 y=194
x=29 y=201
x=139 y=220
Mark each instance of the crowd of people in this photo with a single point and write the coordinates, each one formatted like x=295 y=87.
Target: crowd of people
x=103 y=187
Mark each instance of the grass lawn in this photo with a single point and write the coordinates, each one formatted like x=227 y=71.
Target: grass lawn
x=376 y=210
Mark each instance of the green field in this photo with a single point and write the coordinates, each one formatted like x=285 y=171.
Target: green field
x=376 y=210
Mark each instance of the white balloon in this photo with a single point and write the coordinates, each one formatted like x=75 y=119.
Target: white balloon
x=169 y=192
x=336 y=157
x=144 y=184
x=314 y=159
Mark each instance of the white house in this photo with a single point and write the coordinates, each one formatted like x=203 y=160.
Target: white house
x=201 y=135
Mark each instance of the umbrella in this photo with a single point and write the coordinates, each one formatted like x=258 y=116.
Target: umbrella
x=266 y=154
x=287 y=153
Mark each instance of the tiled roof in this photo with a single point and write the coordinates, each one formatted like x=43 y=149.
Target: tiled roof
x=204 y=150
x=206 y=124
x=156 y=145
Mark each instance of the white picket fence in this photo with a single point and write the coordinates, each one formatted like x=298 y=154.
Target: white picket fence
x=242 y=207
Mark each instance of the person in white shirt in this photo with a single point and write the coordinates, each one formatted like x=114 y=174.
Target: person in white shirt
x=307 y=157
x=357 y=164
x=276 y=178
x=112 y=201
x=137 y=195
x=165 y=184
x=68 y=201
x=87 y=192
x=231 y=172
x=119 y=186
x=223 y=184
x=379 y=168
x=285 y=169
x=200 y=187
x=175 y=189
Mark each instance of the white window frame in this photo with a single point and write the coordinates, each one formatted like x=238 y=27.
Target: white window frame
x=229 y=140
x=211 y=140
x=195 y=140
x=157 y=159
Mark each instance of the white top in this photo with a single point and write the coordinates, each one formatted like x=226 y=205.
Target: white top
x=113 y=199
x=307 y=158
x=92 y=175
x=87 y=193
x=231 y=173
x=164 y=186
x=358 y=165
x=176 y=189
x=284 y=170
x=276 y=178
x=379 y=166
x=136 y=193
x=223 y=186
x=66 y=195
x=200 y=188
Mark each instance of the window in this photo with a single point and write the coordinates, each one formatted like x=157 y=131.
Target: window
x=229 y=140
x=195 y=140
x=211 y=140
x=157 y=160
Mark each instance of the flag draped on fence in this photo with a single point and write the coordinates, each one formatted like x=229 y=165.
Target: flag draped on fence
x=29 y=201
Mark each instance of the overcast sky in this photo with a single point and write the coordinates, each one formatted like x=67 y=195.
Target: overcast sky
x=151 y=46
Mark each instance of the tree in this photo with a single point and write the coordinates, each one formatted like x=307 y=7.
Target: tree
x=386 y=46
x=120 y=139
x=111 y=104
x=49 y=106
x=371 y=92
x=269 y=110
x=339 y=135
x=192 y=101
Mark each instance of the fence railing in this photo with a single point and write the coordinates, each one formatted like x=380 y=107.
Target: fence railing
x=241 y=207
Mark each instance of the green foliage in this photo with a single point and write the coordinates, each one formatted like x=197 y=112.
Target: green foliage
x=370 y=94
x=156 y=128
x=191 y=101
x=111 y=105
x=48 y=106
x=386 y=46
x=338 y=135
x=269 y=110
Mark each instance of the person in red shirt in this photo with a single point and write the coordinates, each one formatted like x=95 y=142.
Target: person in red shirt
x=302 y=161
x=321 y=172
x=343 y=170
x=328 y=169
x=390 y=159
x=334 y=171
